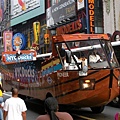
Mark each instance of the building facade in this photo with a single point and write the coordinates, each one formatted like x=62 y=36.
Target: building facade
x=111 y=15
x=59 y=17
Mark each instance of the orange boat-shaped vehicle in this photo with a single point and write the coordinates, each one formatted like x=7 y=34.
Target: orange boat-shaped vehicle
x=82 y=70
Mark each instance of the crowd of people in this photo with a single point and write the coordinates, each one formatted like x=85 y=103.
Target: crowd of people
x=14 y=108
x=51 y=107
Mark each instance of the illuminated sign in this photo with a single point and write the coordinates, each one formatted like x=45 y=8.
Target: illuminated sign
x=26 y=72
x=69 y=28
x=19 y=41
x=7 y=38
x=91 y=15
x=10 y=57
x=36 y=29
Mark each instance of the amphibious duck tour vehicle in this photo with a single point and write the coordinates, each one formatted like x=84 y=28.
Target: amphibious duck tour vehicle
x=83 y=72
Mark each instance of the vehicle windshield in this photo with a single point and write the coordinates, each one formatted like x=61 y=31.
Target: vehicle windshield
x=93 y=53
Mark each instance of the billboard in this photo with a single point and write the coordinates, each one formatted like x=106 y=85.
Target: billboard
x=19 y=7
x=60 y=11
x=26 y=10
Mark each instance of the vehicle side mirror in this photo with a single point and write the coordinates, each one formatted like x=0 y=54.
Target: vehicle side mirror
x=68 y=56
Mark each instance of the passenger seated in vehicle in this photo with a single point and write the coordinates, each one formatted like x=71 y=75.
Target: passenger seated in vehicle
x=94 y=57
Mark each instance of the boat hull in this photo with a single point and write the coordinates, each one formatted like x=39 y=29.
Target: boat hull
x=65 y=86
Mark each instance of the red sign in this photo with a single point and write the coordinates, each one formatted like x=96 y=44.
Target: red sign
x=14 y=57
x=69 y=28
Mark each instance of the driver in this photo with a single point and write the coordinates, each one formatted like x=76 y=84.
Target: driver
x=61 y=50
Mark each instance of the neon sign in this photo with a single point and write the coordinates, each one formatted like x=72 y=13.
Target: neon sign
x=10 y=57
x=91 y=15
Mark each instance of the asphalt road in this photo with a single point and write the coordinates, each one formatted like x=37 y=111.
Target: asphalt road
x=31 y=115
x=84 y=114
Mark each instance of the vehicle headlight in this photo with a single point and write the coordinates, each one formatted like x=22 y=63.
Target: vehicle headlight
x=118 y=81
x=88 y=84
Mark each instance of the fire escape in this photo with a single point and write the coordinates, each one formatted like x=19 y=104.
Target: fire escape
x=5 y=23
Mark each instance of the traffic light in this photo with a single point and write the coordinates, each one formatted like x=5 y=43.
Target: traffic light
x=46 y=39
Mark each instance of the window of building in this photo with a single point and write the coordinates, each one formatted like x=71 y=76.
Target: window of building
x=98 y=16
x=53 y=2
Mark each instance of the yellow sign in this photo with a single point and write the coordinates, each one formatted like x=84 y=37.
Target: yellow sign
x=36 y=29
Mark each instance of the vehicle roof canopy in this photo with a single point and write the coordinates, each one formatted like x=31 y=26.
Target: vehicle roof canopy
x=78 y=37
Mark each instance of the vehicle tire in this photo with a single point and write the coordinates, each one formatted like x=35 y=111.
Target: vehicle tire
x=22 y=96
x=97 y=109
x=115 y=102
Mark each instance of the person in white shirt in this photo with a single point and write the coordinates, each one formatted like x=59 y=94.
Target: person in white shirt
x=94 y=57
x=14 y=107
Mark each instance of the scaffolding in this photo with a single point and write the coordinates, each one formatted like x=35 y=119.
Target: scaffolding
x=5 y=23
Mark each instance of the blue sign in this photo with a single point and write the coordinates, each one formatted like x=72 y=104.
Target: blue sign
x=19 y=41
x=23 y=57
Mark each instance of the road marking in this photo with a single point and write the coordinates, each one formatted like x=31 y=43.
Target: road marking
x=86 y=118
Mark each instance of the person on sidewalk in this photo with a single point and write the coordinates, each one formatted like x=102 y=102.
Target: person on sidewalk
x=117 y=116
x=51 y=107
x=1 y=101
x=14 y=107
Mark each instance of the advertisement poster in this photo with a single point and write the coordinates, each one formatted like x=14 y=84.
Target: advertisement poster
x=80 y=4
x=7 y=38
x=61 y=11
x=19 y=41
x=19 y=7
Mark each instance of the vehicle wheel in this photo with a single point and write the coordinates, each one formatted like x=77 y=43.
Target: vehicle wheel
x=97 y=109
x=115 y=102
x=22 y=96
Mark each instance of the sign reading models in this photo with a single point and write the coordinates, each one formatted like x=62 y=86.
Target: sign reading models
x=60 y=11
